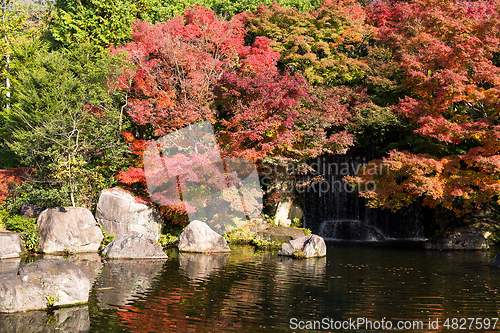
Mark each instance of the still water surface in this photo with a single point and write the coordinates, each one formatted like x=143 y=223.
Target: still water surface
x=255 y=291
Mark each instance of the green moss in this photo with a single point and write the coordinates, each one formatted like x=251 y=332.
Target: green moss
x=492 y=233
x=168 y=240
x=267 y=244
x=242 y=235
x=306 y=231
x=67 y=253
x=108 y=238
x=299 y=254
x=51 y=301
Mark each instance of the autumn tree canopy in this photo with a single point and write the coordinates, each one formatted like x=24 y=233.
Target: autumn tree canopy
x=326 y=45
x=448 y=54
x=197 y=67
x=415 y=80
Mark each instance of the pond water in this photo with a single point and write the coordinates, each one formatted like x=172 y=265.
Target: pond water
x=255 y=291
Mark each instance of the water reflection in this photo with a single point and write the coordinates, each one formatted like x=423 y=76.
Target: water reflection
x=253 y=291
x=123 y=280
x=90 y=262
x=74 y=319
x=198 y=267
x=313 y=269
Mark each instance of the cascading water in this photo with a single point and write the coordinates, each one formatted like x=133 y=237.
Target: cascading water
x=334 y=211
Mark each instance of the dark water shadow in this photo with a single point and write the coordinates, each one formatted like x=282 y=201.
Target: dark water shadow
x=73 y=319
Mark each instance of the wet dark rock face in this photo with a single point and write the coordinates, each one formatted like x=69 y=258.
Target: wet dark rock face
x=461 y=238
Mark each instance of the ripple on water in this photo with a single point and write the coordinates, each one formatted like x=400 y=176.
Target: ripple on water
x=250 y=291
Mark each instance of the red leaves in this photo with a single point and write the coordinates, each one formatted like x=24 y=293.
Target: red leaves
x=260 y=58
x=279 y=115
x=181 y=62
x=11 y=177
x=446 y=51
x=129 y=137
x=131 y=176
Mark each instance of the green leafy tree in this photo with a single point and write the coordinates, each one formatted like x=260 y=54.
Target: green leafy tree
x=65 y=120
x=21 y=20
x=330 y=47
x=230 y=8
x=14 y=27
x=109 y=22
x=97 y=22
x=326 y=45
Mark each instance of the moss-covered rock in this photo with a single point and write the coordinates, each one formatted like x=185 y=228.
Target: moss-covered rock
x=265 y=235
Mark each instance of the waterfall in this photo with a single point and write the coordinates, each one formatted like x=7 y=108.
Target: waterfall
x=334 y=211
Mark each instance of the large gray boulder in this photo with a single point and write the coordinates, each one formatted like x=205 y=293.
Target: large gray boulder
x=134 y=246
x=42 y=283
x=304 y=247
x=68 y=228
x=120 y=213
x=10 y=264
x=280 y=234
x=199 y=237
x=11 y=245
x=461 y=238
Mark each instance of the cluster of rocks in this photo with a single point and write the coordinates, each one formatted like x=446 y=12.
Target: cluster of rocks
x=54 y=282
x=304 y=247
x=75 y=230
x=137 y=226
x=461 y=238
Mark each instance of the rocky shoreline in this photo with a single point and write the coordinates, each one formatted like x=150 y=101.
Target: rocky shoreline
x=74 y=232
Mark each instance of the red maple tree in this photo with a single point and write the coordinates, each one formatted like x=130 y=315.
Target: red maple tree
x=198 y=67
x=448 y=52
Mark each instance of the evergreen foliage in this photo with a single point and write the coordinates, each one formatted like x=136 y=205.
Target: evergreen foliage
x=65 y=121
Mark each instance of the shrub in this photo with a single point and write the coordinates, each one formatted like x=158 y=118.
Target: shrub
x=168 y=240
x=108 y=238
x=25 y=226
